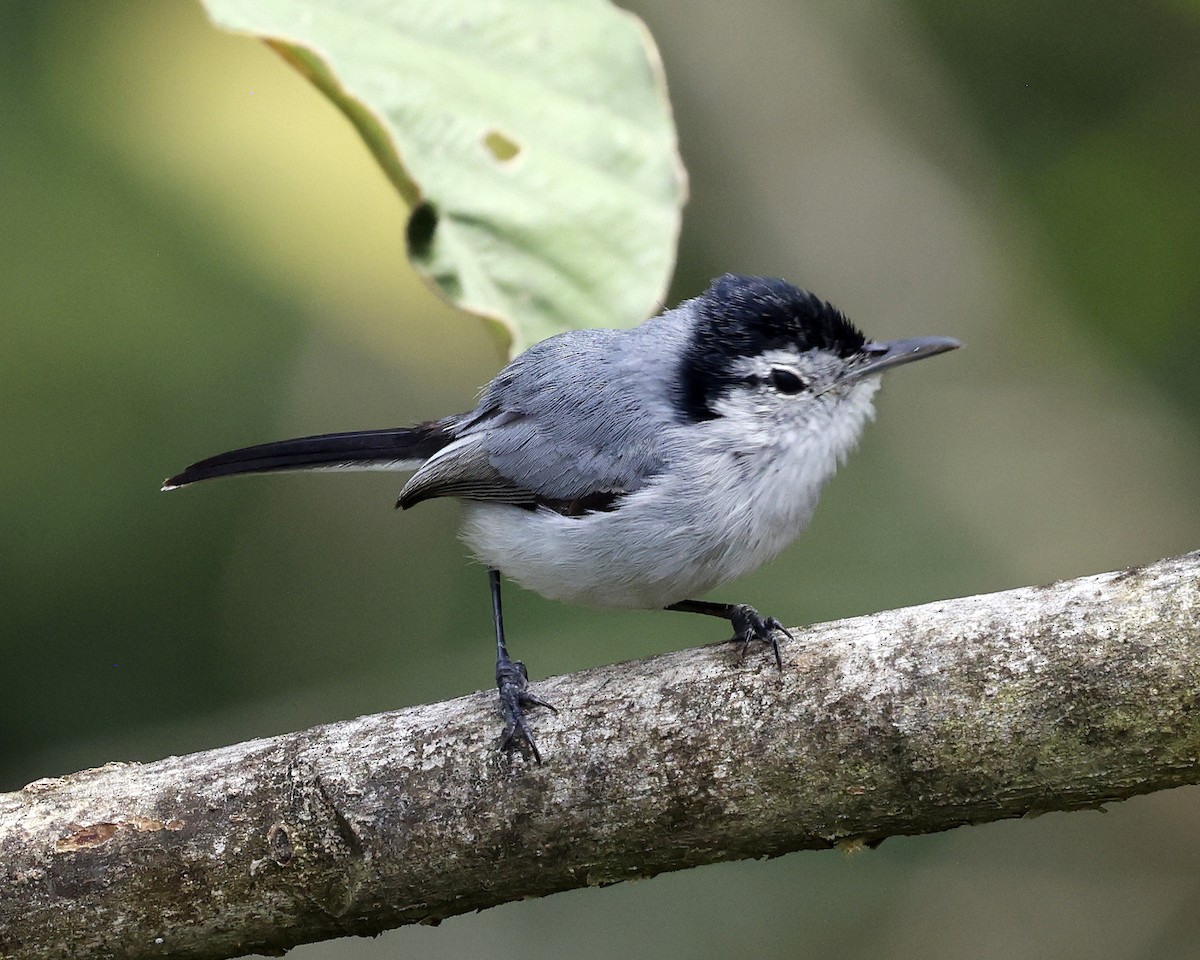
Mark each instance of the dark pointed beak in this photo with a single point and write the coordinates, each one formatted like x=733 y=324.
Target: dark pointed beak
x=877 y=357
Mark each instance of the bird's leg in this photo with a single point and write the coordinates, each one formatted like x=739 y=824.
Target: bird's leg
x=512 y=680
x=748 y=623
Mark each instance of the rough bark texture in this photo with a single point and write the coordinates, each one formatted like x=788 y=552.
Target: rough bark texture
x=906 y=722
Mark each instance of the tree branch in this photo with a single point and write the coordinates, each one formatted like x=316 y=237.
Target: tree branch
x=910 y=721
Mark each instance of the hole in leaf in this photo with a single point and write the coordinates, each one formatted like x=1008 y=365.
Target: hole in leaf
x=422 y=225
x=502 y=148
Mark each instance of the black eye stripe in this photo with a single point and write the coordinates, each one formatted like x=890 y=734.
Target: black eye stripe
x=785 y=381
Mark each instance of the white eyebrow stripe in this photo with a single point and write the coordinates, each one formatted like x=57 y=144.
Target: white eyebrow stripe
x=762 y=364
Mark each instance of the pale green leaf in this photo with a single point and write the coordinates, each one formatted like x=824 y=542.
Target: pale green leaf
x=532 y=138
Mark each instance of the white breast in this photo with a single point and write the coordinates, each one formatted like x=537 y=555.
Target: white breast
x=733 y=501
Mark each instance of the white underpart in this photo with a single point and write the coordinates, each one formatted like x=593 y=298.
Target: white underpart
x=744 y=488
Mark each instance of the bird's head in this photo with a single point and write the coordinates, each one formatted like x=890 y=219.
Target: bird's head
x=774 y=357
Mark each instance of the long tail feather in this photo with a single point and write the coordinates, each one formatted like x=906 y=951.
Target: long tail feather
x=401 y=448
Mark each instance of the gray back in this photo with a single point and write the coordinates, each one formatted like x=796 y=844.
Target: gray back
x=586 y=411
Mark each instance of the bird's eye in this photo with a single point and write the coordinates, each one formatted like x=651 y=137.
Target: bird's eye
x=785 y=381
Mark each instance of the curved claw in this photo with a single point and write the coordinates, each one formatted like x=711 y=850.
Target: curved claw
x=749 y=624
x=512 y=680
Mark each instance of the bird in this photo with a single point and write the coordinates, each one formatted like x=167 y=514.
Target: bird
x=634 y=468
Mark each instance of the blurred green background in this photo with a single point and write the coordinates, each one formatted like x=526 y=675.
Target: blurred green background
x=198 y=253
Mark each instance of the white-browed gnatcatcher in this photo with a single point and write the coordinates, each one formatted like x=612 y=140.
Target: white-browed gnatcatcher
x=635 y=468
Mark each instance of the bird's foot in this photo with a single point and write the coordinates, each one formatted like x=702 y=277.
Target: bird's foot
x=512 y=680
x=749 y=624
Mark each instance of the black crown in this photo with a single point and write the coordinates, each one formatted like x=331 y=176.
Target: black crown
x=743 y=317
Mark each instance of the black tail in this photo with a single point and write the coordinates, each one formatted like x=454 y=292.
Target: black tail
x=400 y=448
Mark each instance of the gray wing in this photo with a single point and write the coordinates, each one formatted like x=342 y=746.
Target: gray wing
x=574 y=423
x=462 y=470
